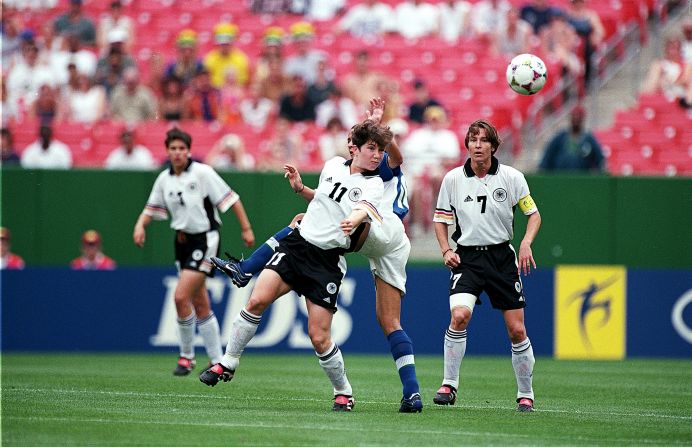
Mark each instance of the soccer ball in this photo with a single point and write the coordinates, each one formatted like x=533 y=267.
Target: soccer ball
x=526 y=74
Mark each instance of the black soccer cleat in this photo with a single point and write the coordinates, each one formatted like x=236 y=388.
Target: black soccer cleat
x=215 y=374
x=446 y=395
x=232 y=269
x=184 y=366
x=525 y=405
x=413 y=404
x=342 y=402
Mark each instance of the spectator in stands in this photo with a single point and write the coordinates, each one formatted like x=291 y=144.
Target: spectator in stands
x=202 y=99
x=48 y=42
x=172 y=99
x=272 y=49
x=110 y=68
x=92 y=257
x=8 y=109
x=559 y=40
x=132 y=101
x=321 y=89
x=87 y=103
x=9 y=154
x=574 y=149
x=687 y=41
x=297 y=105
x=453 y=19
x=489 y=17
x=11 y=41
x=276 y=83
x=8 y=260
x=256 y=110
x=129 y=155
x=46 y=152
x=421 y=101
x=305 y=61
x=337 y=106
x=538 y=14
x=428 y=152
x=26 y=78
x=368 y=19
x=232 y=94
x=75 y=21
x=186 y=63
x=226 y=57
x=72 y=53
x=323 y=10
x=516 y=37
x=589 y=27
x=115 y=18
x=333 y=141
x=363 y=83
x=269 y=6
x=228 y=154
x=284 y=146
x=667 y=75
x=48 y=105
x=415 y=18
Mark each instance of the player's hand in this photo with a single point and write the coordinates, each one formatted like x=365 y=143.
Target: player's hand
x=248 y=237
x=375 y=111
x=346 y=226
x=451 y=259
x=526 y=259
x=139 y=236
x=293 y=176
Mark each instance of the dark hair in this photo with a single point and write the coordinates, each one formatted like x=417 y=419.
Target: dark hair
x=367 y=130
x=177 y=134
x=7 y=134
x=475 y=128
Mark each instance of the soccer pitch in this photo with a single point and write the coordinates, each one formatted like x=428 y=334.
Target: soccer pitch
x=285 y=400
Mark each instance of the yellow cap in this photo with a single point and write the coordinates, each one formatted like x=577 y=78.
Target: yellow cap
x=274 y=35
x=186 y=38
x=225 y=32
x=301 y=30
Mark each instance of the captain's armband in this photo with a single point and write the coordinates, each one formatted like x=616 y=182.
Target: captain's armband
x=527 y=205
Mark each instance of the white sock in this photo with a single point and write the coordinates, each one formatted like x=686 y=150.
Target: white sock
x=332 y=362
x=186 y=332
x=211 y=336
x=243 y=329
x=454 y=350
x=523 y=361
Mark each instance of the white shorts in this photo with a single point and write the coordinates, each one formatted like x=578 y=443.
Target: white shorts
x=387 y=248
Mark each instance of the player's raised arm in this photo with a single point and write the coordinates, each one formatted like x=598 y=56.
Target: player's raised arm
x=293 y=176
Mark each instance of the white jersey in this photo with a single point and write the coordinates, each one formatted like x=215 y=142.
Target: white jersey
x=482 y=210
x=193 y=198
x=338 y=193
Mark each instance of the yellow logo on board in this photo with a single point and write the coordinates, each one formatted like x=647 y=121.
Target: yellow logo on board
x=590 y=306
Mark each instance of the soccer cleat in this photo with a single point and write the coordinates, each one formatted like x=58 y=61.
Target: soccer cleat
x=525 y=405
x=343 y=402
x=216 y=373
x=446 y=395
x=413 y=404
x=232 y=269
x=184 y=366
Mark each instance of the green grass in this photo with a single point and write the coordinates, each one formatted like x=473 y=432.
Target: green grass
x=285 y=400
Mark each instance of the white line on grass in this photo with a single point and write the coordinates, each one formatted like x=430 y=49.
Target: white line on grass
x=301 y=399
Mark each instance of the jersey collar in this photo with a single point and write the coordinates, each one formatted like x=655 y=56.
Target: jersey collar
x=187 y=167
x=374 y=172
x=494 y=166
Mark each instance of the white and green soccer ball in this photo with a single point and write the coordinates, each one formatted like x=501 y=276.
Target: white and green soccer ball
x=526 y=74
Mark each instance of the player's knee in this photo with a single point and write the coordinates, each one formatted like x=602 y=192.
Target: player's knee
x=517 y=333
x=461 y=315
x=320 y=339
x=256 y=306
x=388 y=324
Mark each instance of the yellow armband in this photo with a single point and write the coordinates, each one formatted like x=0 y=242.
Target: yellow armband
x=527 y=205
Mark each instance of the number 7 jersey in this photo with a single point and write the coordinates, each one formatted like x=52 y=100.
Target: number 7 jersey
x=337 y=194
x=482 y=210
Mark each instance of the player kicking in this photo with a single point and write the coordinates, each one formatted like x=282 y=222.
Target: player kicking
x=478 y=199
x=310 y=260
x=387 y=248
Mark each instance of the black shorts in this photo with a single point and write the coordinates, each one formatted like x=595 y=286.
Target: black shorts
x=491 y=269
x=310 y=271
x=192 y=251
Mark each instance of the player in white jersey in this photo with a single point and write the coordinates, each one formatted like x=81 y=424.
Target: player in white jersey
x=478 y=199
x=310 y=260
x=192 y=193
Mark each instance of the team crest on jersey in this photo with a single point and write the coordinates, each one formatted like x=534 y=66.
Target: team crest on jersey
x=192 y=186
x=331 y=288
x=500 y=195
x=355 y=194
x=197 y=255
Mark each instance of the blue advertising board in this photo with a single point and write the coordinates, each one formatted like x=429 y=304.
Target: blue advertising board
x=131 y=309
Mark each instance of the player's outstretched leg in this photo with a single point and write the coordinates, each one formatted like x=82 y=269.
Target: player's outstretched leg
x=402 y=351
x=232 y=269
